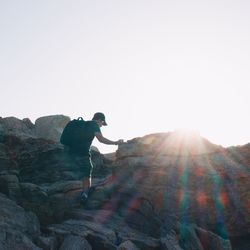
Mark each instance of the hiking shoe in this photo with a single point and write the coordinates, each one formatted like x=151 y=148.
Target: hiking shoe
x=83 y=198
x=91 y=190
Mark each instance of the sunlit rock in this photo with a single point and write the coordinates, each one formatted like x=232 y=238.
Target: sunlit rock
x=51 y=127
x=202 y=186
x=175 y=143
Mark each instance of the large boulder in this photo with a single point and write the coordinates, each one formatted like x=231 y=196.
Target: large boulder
x=51 y=127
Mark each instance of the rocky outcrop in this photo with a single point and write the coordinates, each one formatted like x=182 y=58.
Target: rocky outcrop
x=177 y=143
x=47 y=127
x=210 y=186
x=40 y=175
x=51 y=127
x=14 y=126
x=156 y=193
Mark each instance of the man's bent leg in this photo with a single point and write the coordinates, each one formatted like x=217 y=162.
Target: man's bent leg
x=86 y=182
x=85 y=166
x=85 y=189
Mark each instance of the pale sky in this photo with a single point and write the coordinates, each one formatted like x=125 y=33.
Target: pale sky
x=150 y=66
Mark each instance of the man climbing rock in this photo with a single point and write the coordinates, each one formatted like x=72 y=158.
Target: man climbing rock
x=78 y=136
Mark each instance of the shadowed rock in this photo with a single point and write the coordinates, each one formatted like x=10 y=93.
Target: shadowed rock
x=76 y=243
x=19 y=229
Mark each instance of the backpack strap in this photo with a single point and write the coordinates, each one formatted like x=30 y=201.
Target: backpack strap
x=80 y=119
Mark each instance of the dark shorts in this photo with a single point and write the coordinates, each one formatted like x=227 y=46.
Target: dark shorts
x=84 y=165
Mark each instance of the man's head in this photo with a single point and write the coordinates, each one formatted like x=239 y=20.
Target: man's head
x=100 y=118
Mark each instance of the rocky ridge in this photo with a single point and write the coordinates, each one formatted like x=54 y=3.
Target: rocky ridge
x=161 y=191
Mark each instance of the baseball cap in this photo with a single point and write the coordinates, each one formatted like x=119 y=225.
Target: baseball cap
x=100 y=116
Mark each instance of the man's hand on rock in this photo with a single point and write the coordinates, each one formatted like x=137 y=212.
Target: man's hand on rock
x=119 y=142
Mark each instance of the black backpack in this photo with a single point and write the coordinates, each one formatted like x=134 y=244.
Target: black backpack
x=73 y=133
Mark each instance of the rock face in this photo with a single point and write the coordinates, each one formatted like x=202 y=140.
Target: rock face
x=208 y=185
x=18 y=228
x=156 y=193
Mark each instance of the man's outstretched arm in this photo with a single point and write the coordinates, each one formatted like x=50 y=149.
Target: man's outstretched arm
x=104 y=140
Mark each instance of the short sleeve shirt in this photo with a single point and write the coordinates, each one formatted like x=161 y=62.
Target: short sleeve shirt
x=90 y=128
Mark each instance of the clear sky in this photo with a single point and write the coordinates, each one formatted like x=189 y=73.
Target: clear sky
x=149 y=65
